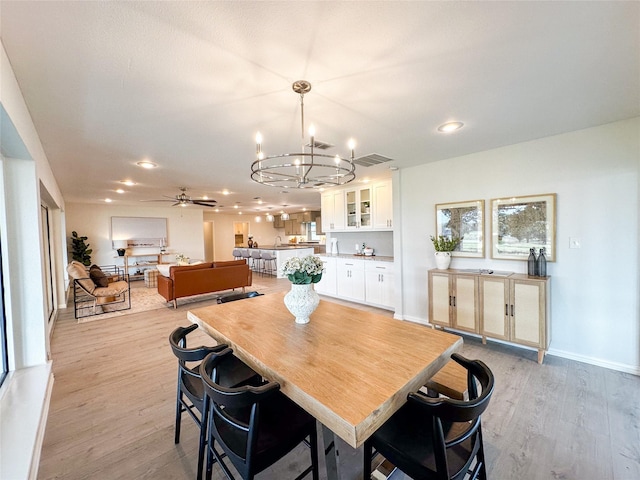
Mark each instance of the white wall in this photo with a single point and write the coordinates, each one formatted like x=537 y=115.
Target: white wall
x=594 y=294
x=184 y=229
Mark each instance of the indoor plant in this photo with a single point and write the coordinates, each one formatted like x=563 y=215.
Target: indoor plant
x=444 y=246
x=303 y=272
x=80 y=251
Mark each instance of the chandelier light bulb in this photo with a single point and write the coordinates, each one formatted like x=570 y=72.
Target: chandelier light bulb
x=312 y=131
x=258 y=138
x=337 y=159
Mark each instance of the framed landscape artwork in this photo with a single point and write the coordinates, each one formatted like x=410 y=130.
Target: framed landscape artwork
x=521 y=223
x=464 y=220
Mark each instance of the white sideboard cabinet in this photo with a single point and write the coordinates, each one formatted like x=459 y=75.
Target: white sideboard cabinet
x=514 y=308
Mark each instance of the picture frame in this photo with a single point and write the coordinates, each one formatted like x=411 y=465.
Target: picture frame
x=464 y=220
x=521 y=223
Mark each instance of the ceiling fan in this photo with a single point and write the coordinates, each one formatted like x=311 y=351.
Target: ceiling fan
x=183 y=200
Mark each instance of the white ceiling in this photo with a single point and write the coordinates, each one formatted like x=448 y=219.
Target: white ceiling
x=188 y=84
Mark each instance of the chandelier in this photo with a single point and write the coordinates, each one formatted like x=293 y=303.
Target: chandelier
x=307 y=168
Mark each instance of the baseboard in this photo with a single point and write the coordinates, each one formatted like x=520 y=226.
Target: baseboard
x=598 y=362
x=419 y=320
x=37 y=448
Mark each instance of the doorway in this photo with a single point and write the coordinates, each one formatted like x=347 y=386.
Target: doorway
x=209 y=242
x=241 y=233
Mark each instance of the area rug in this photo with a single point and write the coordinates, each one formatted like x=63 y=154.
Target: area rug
x=146 y=299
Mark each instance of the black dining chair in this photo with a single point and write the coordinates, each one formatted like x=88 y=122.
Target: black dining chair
x=190 y=396
x=437 y=438
x=254 y=426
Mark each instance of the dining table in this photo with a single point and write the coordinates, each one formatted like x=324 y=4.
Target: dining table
x=350 y=368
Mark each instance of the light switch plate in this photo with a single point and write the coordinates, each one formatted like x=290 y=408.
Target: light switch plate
x=574 y=242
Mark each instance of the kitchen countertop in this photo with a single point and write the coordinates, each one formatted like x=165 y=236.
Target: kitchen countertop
x=380 y=258
x=281 y=247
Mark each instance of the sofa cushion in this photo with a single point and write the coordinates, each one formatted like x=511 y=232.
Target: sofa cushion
x=114 y=289
x=78 y=272
x=229 y=263
x=98 y=276
x=181 y=268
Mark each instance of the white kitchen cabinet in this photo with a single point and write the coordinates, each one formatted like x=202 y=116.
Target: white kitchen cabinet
x=382 y=205
x=453 y=301
x=327 y=284
x=350 y=279
x=333 y=211
x=379 y=278
x=514 y=308
x=359 y=208
x=368 y=207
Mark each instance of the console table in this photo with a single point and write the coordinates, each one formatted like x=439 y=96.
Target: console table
x=156 y=260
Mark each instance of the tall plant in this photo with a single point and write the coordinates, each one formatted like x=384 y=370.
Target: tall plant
x=80 y=251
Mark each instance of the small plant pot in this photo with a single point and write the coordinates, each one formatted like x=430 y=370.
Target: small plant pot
x=443 y=260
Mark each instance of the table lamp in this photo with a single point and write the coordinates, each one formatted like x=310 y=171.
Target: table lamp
x=121 y=246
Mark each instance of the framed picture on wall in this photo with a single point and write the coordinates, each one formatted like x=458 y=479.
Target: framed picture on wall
x=466 y=221
x=521 y=223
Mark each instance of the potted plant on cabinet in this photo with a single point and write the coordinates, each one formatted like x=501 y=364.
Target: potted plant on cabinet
x=444 y=246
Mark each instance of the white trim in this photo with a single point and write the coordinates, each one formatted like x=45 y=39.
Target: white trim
x=598 y=362
x=620 y=367
x=24 y=408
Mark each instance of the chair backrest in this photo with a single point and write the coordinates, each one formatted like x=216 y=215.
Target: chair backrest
x=267 y=255
x=80 y=275
x=245 y=252
x=178 y=342
x=233 y=413
x=451 y=410
x=445 y=411
x=237 y=253
x=255 y=253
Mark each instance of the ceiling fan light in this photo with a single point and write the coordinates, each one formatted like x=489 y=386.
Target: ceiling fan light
x=146 y=164
x=450 y=127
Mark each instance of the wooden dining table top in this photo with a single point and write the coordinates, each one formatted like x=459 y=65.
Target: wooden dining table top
x=349 y=368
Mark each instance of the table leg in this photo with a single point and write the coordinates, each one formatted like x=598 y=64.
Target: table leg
x=331 y=454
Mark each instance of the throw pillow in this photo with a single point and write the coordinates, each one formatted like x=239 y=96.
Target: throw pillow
x=98 y=276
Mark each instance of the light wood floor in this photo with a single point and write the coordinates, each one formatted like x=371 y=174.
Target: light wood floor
x=112 y=409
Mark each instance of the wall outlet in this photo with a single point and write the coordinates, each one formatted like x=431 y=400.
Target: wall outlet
x=574 y=242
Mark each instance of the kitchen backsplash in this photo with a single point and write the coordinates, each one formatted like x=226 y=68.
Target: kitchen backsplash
x=381 y=242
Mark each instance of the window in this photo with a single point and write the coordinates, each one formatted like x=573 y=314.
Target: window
x=3 y=329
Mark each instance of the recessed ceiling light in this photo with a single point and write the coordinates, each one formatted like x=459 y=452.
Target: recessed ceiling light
x=205 y=197
x=128 y=183
x=108 y=200
x=225 y=192
x=235 y=206
x=450 y=127
x=119 y=190
x=146 y=164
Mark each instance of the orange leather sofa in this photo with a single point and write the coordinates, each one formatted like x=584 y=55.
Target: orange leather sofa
x=186 y=280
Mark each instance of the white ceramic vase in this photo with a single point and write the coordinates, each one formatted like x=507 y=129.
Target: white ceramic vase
x=302 y=300
x=443 y=260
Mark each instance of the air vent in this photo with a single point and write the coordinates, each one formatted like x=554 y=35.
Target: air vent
x=372 y=159
x=320 y=145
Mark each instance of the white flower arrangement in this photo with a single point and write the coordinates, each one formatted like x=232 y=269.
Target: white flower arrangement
x=182 y=259
x=301 y=271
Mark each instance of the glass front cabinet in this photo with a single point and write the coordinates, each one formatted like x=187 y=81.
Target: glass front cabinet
x=359 y=208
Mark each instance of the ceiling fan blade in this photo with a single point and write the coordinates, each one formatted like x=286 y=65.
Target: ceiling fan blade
x=204 y=203
x=159 y=200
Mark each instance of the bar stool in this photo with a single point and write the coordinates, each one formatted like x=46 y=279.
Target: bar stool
x=255 y=260
x=244 y=253
x=269 y=263
x=237 y=254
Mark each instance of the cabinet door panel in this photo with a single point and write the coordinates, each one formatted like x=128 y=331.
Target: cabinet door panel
x=439 y=310
x=526 y=315
x=494 y=298
x=465 y=306
x=382 y=206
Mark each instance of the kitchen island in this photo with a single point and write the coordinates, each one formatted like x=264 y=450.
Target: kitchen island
x=282 y=252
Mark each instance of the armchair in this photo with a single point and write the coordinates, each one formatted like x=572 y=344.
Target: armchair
x=104 y=286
